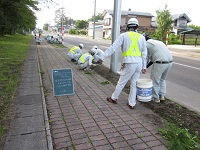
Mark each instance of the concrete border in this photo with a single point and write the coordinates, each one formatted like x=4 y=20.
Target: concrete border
x=46 y=120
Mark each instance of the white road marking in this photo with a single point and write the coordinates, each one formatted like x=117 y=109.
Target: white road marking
x=187 y=66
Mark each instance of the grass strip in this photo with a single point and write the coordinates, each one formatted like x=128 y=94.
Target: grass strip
x=13 y=52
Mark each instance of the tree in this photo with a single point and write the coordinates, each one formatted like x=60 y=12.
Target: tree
x=97 y=17
x=18 y=15
x=59 y=15
x=164 y=22
x=194 y=27
x=81 y=24
x=46 y=26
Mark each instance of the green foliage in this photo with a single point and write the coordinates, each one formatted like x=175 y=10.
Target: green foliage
x=164 y=22
x=97 y=17
x=174 y=39
x=105 y=82
x=2 y=130
x=179 y=139
x=45 y=27
x=81 y=24
x=13 y=53
x=194 y=27
x=78 y=32
x=154 y=36
x=89 y=72
x=17 y=16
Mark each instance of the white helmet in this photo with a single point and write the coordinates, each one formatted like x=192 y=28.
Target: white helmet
x=95 y=47
x=81 y=45
x=92 y=51
x=133 y=22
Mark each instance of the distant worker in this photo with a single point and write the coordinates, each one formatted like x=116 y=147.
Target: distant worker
x=134 y=53
x=40 y=33
x=161 y=59
x=98 y=54
x=75 y=52
x=35 y=32
x=85 y=61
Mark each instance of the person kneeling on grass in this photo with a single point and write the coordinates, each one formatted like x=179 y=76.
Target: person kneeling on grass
x=85 y=61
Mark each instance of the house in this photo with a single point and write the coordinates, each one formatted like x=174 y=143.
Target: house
x=180 y=23
x=144 y=19
x=97 y=31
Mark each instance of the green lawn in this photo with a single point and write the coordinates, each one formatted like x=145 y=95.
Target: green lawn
x=191 y=41
x=13 y=51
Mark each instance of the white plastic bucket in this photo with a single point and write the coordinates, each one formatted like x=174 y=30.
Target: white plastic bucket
x=144 y=90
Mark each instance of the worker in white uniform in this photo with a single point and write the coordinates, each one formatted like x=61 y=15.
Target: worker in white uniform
x=134 y=53
x=98 y=54
x=85 y=61
x=161 y=59
x=75 y=52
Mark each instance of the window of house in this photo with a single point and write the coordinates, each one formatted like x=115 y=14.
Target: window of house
x=107 y=21
x=182 y=22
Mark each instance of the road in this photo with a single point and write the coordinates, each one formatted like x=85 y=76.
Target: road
x=183 y=81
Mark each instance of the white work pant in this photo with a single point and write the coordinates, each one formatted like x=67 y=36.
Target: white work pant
x=75 y=56
x=86 y=65
x=98 y=56
x=158 y=76
x=129 y=72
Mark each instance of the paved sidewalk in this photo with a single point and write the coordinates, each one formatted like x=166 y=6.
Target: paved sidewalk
x=29 y=128
x=84 y=120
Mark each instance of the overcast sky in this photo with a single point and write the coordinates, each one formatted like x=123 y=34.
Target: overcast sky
x=84 y=9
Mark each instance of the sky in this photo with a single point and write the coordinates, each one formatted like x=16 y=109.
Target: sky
x=84 y=9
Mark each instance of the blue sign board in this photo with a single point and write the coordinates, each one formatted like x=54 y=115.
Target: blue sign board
x=62 y=82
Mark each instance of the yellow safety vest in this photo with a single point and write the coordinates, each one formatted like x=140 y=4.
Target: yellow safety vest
x=72 y=50
x=82 y=58
x=133 y=50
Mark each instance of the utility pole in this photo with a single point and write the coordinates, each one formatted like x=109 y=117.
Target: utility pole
x=62 y=28
x=94 y=19
x=115 y=33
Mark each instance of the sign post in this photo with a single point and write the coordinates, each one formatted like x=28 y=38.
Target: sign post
x=62 y=82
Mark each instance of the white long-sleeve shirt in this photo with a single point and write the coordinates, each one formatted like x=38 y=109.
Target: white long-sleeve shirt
x=124 y=41
x=98 y=54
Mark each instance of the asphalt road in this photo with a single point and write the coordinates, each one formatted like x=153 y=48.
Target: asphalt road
x=183 y=81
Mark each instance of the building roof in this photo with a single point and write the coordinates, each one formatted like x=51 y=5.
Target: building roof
x=125 y=13
x=177 y=16
x=187 y=28
x=197 y=32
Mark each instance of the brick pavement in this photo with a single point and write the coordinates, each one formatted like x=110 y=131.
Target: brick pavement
x=85 y=120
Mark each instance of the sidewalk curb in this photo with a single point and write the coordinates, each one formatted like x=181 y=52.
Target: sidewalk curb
x=46 y=120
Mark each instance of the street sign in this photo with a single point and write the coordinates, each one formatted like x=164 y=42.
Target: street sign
x=62 y=82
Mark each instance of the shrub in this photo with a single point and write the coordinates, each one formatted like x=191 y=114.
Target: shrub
x=179 y=139
x=78 y=32
x=174 y=39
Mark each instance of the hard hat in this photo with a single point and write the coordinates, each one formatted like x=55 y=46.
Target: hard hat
x=81 y=45
x=133 y=22
x=92 y=51
x=95 y=47
x=146 y=35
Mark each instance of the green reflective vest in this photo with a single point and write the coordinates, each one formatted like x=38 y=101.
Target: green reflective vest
x=72 y=50
x=133 y=50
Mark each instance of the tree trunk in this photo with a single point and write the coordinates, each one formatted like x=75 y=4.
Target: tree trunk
x=2 y=31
